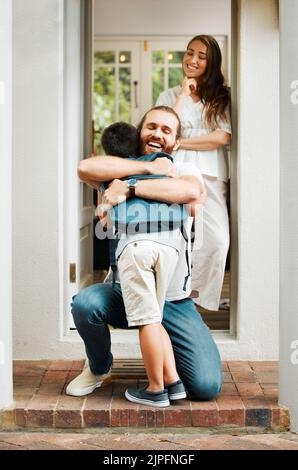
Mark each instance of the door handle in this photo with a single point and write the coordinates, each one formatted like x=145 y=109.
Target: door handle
x=135 y=93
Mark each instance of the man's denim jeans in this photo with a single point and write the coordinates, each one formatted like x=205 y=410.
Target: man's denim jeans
x=197 y=357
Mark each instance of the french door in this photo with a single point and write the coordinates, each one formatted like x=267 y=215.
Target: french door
x=120 y=82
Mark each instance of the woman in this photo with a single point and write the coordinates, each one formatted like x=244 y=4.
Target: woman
x=202 y=102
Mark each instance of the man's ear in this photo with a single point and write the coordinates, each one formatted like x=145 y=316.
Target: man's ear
x=176 y=146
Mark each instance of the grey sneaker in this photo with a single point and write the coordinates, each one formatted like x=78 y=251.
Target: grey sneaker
x=176 y=390
x=140 y=395
x=87 y=382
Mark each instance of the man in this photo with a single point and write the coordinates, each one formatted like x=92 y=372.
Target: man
x=97 y=306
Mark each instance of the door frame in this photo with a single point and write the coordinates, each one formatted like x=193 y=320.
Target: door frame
x=124 y=342
x=72 y=129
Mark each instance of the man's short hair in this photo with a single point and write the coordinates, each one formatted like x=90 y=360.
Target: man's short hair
x=120 y=139
x=167 y=109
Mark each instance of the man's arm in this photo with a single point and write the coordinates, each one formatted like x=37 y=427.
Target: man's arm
x=106 y=168
x=183 y=190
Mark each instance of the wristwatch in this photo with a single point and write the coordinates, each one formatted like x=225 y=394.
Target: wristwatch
x=131 y=183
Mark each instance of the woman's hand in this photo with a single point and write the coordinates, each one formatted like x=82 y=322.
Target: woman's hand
x=188 y=86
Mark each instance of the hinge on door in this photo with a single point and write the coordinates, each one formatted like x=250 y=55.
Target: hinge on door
x=72 y=272
x=145 y=46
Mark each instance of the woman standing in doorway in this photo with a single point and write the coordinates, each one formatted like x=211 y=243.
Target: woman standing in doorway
x=202 y=102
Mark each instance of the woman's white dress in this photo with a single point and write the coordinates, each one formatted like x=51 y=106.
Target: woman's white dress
x=212 y=225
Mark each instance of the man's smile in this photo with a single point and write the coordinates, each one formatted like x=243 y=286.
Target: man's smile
x=155 y=146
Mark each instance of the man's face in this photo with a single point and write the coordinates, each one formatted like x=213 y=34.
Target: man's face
x=158 y=133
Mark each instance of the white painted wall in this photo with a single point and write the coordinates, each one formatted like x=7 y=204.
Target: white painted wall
x=258 y=183
x=288 y=324
x=161 y=17
x=36 y=81
x=6 y=395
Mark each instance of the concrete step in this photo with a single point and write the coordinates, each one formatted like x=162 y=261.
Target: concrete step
x=248 y=400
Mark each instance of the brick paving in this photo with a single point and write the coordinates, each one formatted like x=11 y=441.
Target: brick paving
x=145 y=441
x=248 y=399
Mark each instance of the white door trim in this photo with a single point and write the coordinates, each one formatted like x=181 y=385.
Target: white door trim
x=6 y=384
x=71 y=149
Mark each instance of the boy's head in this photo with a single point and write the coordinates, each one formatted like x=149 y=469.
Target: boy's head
x=120 y=139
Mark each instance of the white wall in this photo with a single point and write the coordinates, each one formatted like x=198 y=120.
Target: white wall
x=288 y=378
x=161 y=17
x=36 y=82
x=6 y=396
x=258 y=183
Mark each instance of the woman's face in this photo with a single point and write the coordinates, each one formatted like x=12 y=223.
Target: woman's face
x=195 y=60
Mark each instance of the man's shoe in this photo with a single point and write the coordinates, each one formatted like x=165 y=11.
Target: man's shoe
x=142 y=396
x=87 y=382
x=176 y=390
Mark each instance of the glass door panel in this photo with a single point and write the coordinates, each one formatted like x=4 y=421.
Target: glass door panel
x=116 y=79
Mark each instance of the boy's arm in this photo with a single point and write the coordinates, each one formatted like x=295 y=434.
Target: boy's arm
x=106 y=168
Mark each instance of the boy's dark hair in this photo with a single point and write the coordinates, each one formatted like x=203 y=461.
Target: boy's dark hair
x=120 y=139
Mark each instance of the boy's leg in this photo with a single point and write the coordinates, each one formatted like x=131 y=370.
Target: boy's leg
x=197 y=358
x=93 y=308
x=152 y=349
x=170 y=373
x=145 y=269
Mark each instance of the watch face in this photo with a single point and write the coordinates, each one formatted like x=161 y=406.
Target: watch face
x=132 y=182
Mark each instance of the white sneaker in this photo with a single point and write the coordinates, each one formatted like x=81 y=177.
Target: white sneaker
x=87 y=382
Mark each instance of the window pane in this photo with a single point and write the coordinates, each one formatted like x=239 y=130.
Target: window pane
x=158 y=57
x=124 y=94
x=175 y=57
x=124 y=57
x=104 y=57
x=175 y=76
x=157 y=82
x=103 y=100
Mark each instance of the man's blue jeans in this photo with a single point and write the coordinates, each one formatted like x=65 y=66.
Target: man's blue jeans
x=197 y=357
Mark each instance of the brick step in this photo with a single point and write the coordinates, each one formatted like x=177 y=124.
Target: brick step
x=248 y=399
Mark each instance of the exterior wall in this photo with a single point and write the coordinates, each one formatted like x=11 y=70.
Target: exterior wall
x=289 y=208
x=6 y=396
x=258 y=183
x=166 y=17
x=36 y=150
x=36 y=166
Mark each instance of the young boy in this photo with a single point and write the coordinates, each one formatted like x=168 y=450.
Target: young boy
x=145 y=270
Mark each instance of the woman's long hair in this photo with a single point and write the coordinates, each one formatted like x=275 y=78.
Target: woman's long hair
x=213 y=93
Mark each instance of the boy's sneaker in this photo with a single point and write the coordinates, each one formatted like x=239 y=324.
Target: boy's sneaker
x=87 y=382
x=141 y=395
x=176 y=390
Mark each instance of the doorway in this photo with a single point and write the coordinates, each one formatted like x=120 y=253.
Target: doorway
x=128 y=78
x=128 y=73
